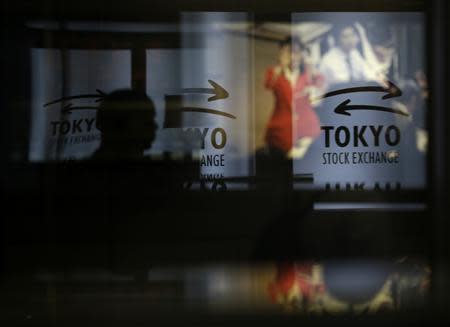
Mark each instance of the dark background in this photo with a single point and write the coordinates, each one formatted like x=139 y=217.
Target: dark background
x=107 y=219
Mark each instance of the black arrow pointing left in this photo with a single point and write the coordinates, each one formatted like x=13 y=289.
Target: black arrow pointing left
x=344 y=108
x=391 y=90
x=207 y=111
x=69 y=107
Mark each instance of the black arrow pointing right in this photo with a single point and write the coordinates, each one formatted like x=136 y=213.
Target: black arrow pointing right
x=218 y=91
x=99 y=96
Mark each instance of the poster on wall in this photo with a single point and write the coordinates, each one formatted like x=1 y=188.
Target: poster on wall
x=67 y=87
x=199 y=86
x=349 y=93
x=203 y=97
x=360 y=106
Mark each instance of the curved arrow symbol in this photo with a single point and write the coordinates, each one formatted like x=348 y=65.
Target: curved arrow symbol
x=69 y=107
x=218 y=91
x=207 y=111
x=344 y=108
x=392 y=91
x=99 y=95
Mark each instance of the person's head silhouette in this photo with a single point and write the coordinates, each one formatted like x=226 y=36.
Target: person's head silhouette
x=346 y=37
x=126 y=119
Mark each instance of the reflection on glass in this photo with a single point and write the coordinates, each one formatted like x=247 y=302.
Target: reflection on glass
x=66 y=129
x=293 y=125
x=349 y=287
x=357 y=287
x=333 y=91
x=373 y=106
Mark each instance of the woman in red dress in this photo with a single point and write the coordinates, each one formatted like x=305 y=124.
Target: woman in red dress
x=293 y=125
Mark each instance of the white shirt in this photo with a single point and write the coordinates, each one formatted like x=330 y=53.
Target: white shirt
x=339 y=67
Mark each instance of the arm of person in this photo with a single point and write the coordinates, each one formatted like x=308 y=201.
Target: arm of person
x=272 y=75
x=319 y=88
x=373 y=68
x=326 y=72
x=315 y=86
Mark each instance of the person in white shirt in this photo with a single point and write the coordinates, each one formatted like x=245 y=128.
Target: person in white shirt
x=344 y=63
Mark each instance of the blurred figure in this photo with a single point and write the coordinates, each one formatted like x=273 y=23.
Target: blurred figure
x=419 y=106
x=296 y=286
x=344 y=63
x=350 y=286
x=414 y=102
x=293 y=125
x=126 y=119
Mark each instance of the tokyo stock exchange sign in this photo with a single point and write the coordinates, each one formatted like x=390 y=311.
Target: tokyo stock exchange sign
x=368 y=141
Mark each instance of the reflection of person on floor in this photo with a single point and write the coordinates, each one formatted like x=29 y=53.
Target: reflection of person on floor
x=126 y=119
x=297 y=286
x=344 y=63
x=293 y=125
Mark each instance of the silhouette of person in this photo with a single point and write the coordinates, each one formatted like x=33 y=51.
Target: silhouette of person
x=126 y=120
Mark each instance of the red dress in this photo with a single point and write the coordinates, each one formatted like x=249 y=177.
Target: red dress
x=293 y=117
